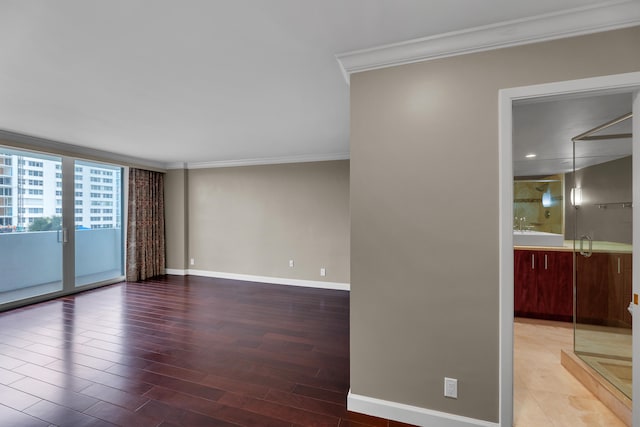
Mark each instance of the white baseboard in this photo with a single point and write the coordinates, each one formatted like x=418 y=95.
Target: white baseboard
x=410 y=414
x=262 y=279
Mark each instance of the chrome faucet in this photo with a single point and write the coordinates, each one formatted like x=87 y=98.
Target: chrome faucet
x=521 y=221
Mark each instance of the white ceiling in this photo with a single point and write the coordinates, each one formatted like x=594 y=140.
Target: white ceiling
x=546 y=128
x=207 y=80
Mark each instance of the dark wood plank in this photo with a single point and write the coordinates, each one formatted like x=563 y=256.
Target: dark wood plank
x=115 y=396
x=63 y=416
x=170 y=414
x=7 y=376
x=180 y=351
x=320 y=394
x=101 y=377
x=16 y=399
x=120 y=416
x=55 y=394
x=52 y=377
x=14 y=418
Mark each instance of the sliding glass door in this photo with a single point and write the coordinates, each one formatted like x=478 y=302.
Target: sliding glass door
x=98 y=222
x=52 y=237
x=31 y=238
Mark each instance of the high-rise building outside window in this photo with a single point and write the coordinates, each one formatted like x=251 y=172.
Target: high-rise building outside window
x=39 y=201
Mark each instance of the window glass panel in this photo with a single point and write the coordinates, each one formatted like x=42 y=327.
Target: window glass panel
x=30 y=225
x=98 y=238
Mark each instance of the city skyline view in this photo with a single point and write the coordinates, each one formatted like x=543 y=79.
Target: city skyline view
x=31 y=193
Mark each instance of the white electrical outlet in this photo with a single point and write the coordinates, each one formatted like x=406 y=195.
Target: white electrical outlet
x=323 y=271
x=290 y=263
x=451 y=387
x=193 y=261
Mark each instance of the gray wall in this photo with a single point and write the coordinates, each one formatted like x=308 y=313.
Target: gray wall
x=424 y=216
x=176 y=226
x=608 y=182
x=254 y=219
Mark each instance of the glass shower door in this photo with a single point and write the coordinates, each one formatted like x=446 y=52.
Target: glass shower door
x=601 y=199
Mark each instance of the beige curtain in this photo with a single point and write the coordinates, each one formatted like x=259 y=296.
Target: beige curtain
x=145 y=228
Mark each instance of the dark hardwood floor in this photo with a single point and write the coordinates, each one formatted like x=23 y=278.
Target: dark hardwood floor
x=180 y=351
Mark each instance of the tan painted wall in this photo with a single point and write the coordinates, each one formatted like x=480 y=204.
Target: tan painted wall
x=252 y=220
x=176 y=230
x=424 y=272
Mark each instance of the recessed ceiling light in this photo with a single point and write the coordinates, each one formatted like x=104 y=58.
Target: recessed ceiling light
x=530 y=156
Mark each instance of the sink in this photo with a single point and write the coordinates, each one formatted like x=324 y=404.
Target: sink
x=537 y=238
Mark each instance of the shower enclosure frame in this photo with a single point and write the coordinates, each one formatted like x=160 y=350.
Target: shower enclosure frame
x=612 y=325
x=627 y=83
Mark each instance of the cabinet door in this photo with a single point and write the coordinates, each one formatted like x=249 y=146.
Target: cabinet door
x=555 y=285
x=620 y=290
x=525 y=297
x=592 y=294
x=627 y=289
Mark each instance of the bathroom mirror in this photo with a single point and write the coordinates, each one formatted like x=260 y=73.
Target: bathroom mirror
x=538 y=204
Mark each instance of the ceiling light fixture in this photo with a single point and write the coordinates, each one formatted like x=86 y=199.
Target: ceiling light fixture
x=530 y=156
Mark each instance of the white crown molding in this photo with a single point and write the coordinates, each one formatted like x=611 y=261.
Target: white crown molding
x=37 y=144
x=568 y=23
x=176 y=165
x=410 y=414
x=258 y=161
x=261 y=279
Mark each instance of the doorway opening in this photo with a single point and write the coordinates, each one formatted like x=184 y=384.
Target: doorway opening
x=548 y=291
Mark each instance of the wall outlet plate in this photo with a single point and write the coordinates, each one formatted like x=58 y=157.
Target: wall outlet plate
x=290 y=263
x=323 y=272
x=451 y=387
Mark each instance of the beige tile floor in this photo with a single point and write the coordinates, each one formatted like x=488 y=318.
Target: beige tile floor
x=545 y=394
x=607 y=350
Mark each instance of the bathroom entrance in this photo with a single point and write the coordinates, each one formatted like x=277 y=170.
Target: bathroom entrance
x=572 y=237
x=581 y=285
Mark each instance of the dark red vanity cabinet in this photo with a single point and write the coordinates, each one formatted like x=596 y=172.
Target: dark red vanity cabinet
x=604 y=289
x=593 y=279
x=525 y=293
x=543 y=282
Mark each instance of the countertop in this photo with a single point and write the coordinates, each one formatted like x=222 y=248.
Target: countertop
x=568 y=247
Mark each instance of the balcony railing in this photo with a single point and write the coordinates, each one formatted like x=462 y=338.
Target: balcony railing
x=30 y=259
